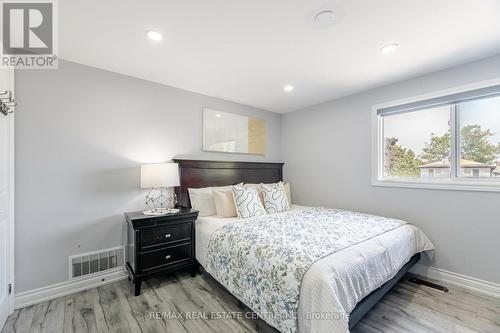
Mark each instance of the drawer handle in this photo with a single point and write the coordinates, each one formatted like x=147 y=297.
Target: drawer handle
x=168 y=257
x=167 y=235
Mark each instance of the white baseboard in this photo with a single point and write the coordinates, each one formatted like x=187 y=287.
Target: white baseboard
x=459 y=280
x=54 y=291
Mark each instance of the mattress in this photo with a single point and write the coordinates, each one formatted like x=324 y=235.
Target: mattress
x=333 y=285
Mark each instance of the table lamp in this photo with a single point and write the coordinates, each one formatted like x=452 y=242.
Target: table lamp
x=160 y=178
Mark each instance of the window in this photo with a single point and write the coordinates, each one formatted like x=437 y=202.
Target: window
x=450 y=141
x=479 y=135
x=410 y=138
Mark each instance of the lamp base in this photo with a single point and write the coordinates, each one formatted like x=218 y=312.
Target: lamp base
x=160 y=211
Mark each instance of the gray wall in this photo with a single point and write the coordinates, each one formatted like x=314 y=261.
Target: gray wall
x=327 y=150
x=81 y=134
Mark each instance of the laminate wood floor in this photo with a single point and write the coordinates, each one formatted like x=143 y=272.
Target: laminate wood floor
x=113 y=308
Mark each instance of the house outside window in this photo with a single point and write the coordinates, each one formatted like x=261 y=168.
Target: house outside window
x=468 y=168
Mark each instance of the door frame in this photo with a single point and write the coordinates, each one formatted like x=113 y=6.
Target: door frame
x=11 y=206
x=10 y=245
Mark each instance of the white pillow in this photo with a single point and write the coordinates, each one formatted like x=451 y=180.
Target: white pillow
x=275 y=198
x=202 y=199
x=247 y=202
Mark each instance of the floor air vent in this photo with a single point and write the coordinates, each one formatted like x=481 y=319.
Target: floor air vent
x=95 y=263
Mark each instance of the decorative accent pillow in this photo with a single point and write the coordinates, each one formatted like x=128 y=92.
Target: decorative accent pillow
x=224 y=203
x=202 y=199
x=288 y=193
x=247 y=202
x=275 y=199
x=258 y=188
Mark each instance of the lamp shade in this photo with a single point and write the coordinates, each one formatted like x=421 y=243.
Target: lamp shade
x=159 y=175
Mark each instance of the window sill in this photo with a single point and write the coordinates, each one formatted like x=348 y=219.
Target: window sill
x=456 y=185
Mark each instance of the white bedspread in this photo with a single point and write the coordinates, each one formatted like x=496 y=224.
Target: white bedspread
x=336 y=283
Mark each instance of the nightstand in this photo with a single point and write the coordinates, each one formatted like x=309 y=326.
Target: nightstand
x=160 y=244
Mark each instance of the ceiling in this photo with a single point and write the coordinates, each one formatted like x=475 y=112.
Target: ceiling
x=247 y=50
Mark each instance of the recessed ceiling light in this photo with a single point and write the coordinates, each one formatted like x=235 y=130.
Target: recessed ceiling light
x=154 y=35
x=324 y=18
x=218 y=115
x=288 y=88
x=389 y=48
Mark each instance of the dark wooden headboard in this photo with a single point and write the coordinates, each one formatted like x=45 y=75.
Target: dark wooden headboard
x=196 y=174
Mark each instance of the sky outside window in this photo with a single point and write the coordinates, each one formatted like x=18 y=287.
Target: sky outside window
x=414 y=129
x=483 y=112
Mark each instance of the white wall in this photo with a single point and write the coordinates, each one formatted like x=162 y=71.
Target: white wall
x=81 y=134
x=327 y=150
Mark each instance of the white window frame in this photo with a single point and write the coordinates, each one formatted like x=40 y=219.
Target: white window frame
x=455 y=182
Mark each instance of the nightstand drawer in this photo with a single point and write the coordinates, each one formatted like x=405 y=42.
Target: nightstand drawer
x=166 y=256
x=165 y=235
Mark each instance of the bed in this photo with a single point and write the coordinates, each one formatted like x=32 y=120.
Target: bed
x=340 y=287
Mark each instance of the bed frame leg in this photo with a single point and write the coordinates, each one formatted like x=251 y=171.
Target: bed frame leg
x=194 y=269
